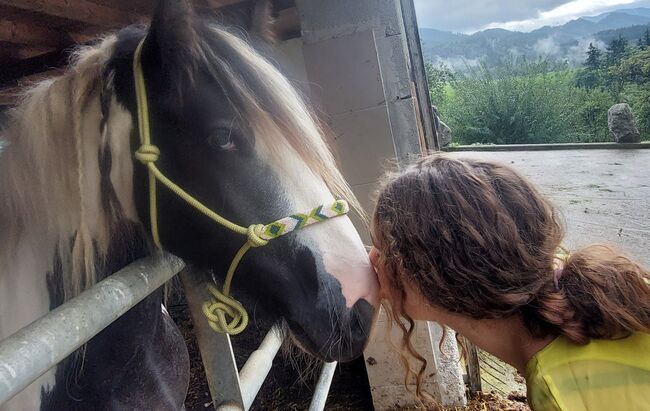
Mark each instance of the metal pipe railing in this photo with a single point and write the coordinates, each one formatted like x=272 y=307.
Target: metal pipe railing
x=323 y=387
x=255 y=371
x=30 y=352
x=258 y=365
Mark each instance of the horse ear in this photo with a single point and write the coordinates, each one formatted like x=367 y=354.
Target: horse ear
x=172 y=41
x=262 y=22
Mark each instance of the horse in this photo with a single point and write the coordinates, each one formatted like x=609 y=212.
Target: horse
x=232 y=132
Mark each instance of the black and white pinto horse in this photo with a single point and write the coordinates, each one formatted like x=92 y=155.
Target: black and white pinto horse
x=74 y=206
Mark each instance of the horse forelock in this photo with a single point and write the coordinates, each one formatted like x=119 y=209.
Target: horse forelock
x=51 y=169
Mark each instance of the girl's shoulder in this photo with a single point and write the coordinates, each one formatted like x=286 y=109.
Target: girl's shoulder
x=601 y=375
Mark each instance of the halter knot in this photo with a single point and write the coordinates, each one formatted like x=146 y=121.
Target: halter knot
x=255 y=232
x=147 y=153
x=219 y=308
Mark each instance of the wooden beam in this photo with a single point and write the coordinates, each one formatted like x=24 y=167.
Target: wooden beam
x=18 y=32
x=27 y=52
x=138 y=6
x=215 y=4
x=287 y=24
x=10 y=95
x=11 y=74
x=78 y=10
x=89 y=34
x=473 y=365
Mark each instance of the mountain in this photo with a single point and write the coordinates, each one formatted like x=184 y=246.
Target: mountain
x=567 y=42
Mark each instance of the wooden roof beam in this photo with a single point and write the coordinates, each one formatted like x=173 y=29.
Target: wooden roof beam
x=17 y=32
x=83 y=11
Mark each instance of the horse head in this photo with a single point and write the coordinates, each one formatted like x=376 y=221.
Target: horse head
x=233 y=133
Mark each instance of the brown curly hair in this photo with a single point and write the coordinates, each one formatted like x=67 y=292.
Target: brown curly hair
x=476 y=238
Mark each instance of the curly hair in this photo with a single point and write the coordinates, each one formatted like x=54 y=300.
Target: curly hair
x=477 y=239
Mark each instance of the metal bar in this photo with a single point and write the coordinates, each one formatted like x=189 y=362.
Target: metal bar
x=258 y=365
x=30 y=352
x=323 y=387
x=418 y=73
x=216 y=349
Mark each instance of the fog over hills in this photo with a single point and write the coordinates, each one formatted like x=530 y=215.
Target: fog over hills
x=567 y=42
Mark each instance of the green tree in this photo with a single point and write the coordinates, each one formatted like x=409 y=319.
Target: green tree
x=438 y=77
x=593 y=57
x=634 y=68
x=589 y=77
x=616 y=50
x=644 y=41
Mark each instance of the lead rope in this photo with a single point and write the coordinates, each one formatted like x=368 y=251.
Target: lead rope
x=221 y=305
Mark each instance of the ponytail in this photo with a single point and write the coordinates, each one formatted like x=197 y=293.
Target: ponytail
x=599 y=293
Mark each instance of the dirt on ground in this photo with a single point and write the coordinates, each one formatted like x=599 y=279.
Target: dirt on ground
x=290 y=383
x=495 y=402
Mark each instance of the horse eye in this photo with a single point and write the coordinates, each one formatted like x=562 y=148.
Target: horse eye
x=221 y=139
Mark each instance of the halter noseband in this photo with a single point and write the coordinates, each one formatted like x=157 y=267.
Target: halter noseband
x=258 y=235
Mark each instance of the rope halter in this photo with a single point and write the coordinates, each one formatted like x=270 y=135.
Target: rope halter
x=224 y=313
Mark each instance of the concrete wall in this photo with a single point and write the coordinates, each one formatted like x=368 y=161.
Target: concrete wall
x=352 y=62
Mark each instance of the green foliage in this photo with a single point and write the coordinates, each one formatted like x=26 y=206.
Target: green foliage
x=593 y=57
x=539 y=106
x=543 y=102
x=616 y=50
x=438 y=78
x=644 y=41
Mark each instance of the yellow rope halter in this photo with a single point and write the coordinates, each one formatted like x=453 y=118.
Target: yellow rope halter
x=258 y=235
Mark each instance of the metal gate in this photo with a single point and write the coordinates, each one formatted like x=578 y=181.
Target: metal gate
x=30 y=352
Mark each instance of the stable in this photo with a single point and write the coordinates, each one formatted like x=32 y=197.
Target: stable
x=359 y=64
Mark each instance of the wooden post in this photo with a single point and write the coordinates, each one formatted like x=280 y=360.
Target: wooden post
x=473 y=365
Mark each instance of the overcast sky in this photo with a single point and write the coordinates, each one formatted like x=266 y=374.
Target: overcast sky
x=468 y=16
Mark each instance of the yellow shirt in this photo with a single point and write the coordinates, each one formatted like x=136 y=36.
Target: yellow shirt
x=607 y=375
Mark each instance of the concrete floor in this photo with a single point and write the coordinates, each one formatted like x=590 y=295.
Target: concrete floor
x=604 y=197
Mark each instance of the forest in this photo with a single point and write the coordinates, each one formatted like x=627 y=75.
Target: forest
x=524 y=101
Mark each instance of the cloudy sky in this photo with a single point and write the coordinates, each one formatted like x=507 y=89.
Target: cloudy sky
x=468 y=16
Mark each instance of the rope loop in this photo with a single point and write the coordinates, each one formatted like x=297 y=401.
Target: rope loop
x=255 y=232
x=147 y=153
x=224 y=313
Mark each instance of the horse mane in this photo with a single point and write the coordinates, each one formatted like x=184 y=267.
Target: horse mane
x=49 y=174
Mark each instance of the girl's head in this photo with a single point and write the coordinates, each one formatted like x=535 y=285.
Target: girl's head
x=477 y=239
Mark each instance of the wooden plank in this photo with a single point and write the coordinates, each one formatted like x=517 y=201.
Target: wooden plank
x=36 y=19
x=9 y=75
x=215 y=4
x=287 y=24
x=27 y=52
x=418 y=74
x=78 y=10
x=19 y=32
x=139 y=6
x=9 y=95
x=473 y=365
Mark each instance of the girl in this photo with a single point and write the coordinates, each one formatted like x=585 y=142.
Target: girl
x=474 y=246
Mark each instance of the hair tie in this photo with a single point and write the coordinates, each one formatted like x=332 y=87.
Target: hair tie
x=562 y=255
